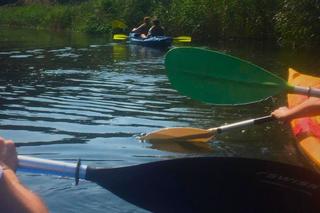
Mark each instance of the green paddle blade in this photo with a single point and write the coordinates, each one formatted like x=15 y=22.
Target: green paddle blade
x=220 y=79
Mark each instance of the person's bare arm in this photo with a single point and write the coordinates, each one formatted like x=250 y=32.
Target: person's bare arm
x=310 y=107
x=14 y=197
x=137 y=29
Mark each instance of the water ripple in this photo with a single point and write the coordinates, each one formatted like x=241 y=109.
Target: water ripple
x=77 y=103
x=65 y=98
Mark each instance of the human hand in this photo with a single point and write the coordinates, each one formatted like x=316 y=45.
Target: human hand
x=282 y=113
x=8 y=155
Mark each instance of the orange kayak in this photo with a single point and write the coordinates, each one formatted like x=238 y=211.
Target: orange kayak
x=306 y=130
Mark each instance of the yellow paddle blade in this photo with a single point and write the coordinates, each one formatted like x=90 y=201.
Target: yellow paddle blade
x=118 y=24
x=183 y=38
x=184 y=41
x=180 y=134
x=120 y=37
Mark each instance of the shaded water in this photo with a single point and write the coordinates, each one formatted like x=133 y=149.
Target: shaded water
x=70 y=96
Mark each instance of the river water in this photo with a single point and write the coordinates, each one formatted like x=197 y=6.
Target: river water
x=69 y=96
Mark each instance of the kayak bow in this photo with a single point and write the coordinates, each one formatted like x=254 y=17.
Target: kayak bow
x=306 y=130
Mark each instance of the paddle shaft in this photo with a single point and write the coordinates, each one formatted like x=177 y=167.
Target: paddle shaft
x=44 y=166
x=240 y=124
x=309 y=91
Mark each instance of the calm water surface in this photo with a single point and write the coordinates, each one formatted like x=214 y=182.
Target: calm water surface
x=69 y=96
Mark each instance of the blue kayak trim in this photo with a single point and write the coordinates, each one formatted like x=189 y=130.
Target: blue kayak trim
x=155 y=41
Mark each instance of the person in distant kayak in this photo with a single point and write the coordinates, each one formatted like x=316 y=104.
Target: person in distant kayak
x=310 y=107
x=156 y=29
x=142 y=30
x=14 y=197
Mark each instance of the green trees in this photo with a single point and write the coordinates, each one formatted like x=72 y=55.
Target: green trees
x=213 y=19
x=298 y=23
x=294 y=23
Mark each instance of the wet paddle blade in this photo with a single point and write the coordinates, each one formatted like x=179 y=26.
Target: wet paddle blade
x=220 y=79
x=182 y=38
x=200 y=135
x=120 y=37
x=199 y=184
x=179 y=134
x=213 y=185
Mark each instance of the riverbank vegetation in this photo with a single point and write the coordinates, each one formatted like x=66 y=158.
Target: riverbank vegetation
x=293 y=23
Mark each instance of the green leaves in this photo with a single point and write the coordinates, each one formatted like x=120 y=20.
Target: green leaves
x=298 y=23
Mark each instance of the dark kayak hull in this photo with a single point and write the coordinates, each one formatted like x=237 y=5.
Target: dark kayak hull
x=156 y=41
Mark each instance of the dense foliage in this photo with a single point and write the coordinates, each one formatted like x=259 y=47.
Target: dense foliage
x=294 y=23
x=298 y=23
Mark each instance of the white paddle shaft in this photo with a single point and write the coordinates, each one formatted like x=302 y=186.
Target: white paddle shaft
x=309 y=91
x=242 y=124
x=44 y=166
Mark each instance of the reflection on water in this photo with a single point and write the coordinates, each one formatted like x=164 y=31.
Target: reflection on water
x=69 y=96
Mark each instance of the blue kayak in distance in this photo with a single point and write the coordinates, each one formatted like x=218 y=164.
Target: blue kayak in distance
x=155 y=41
